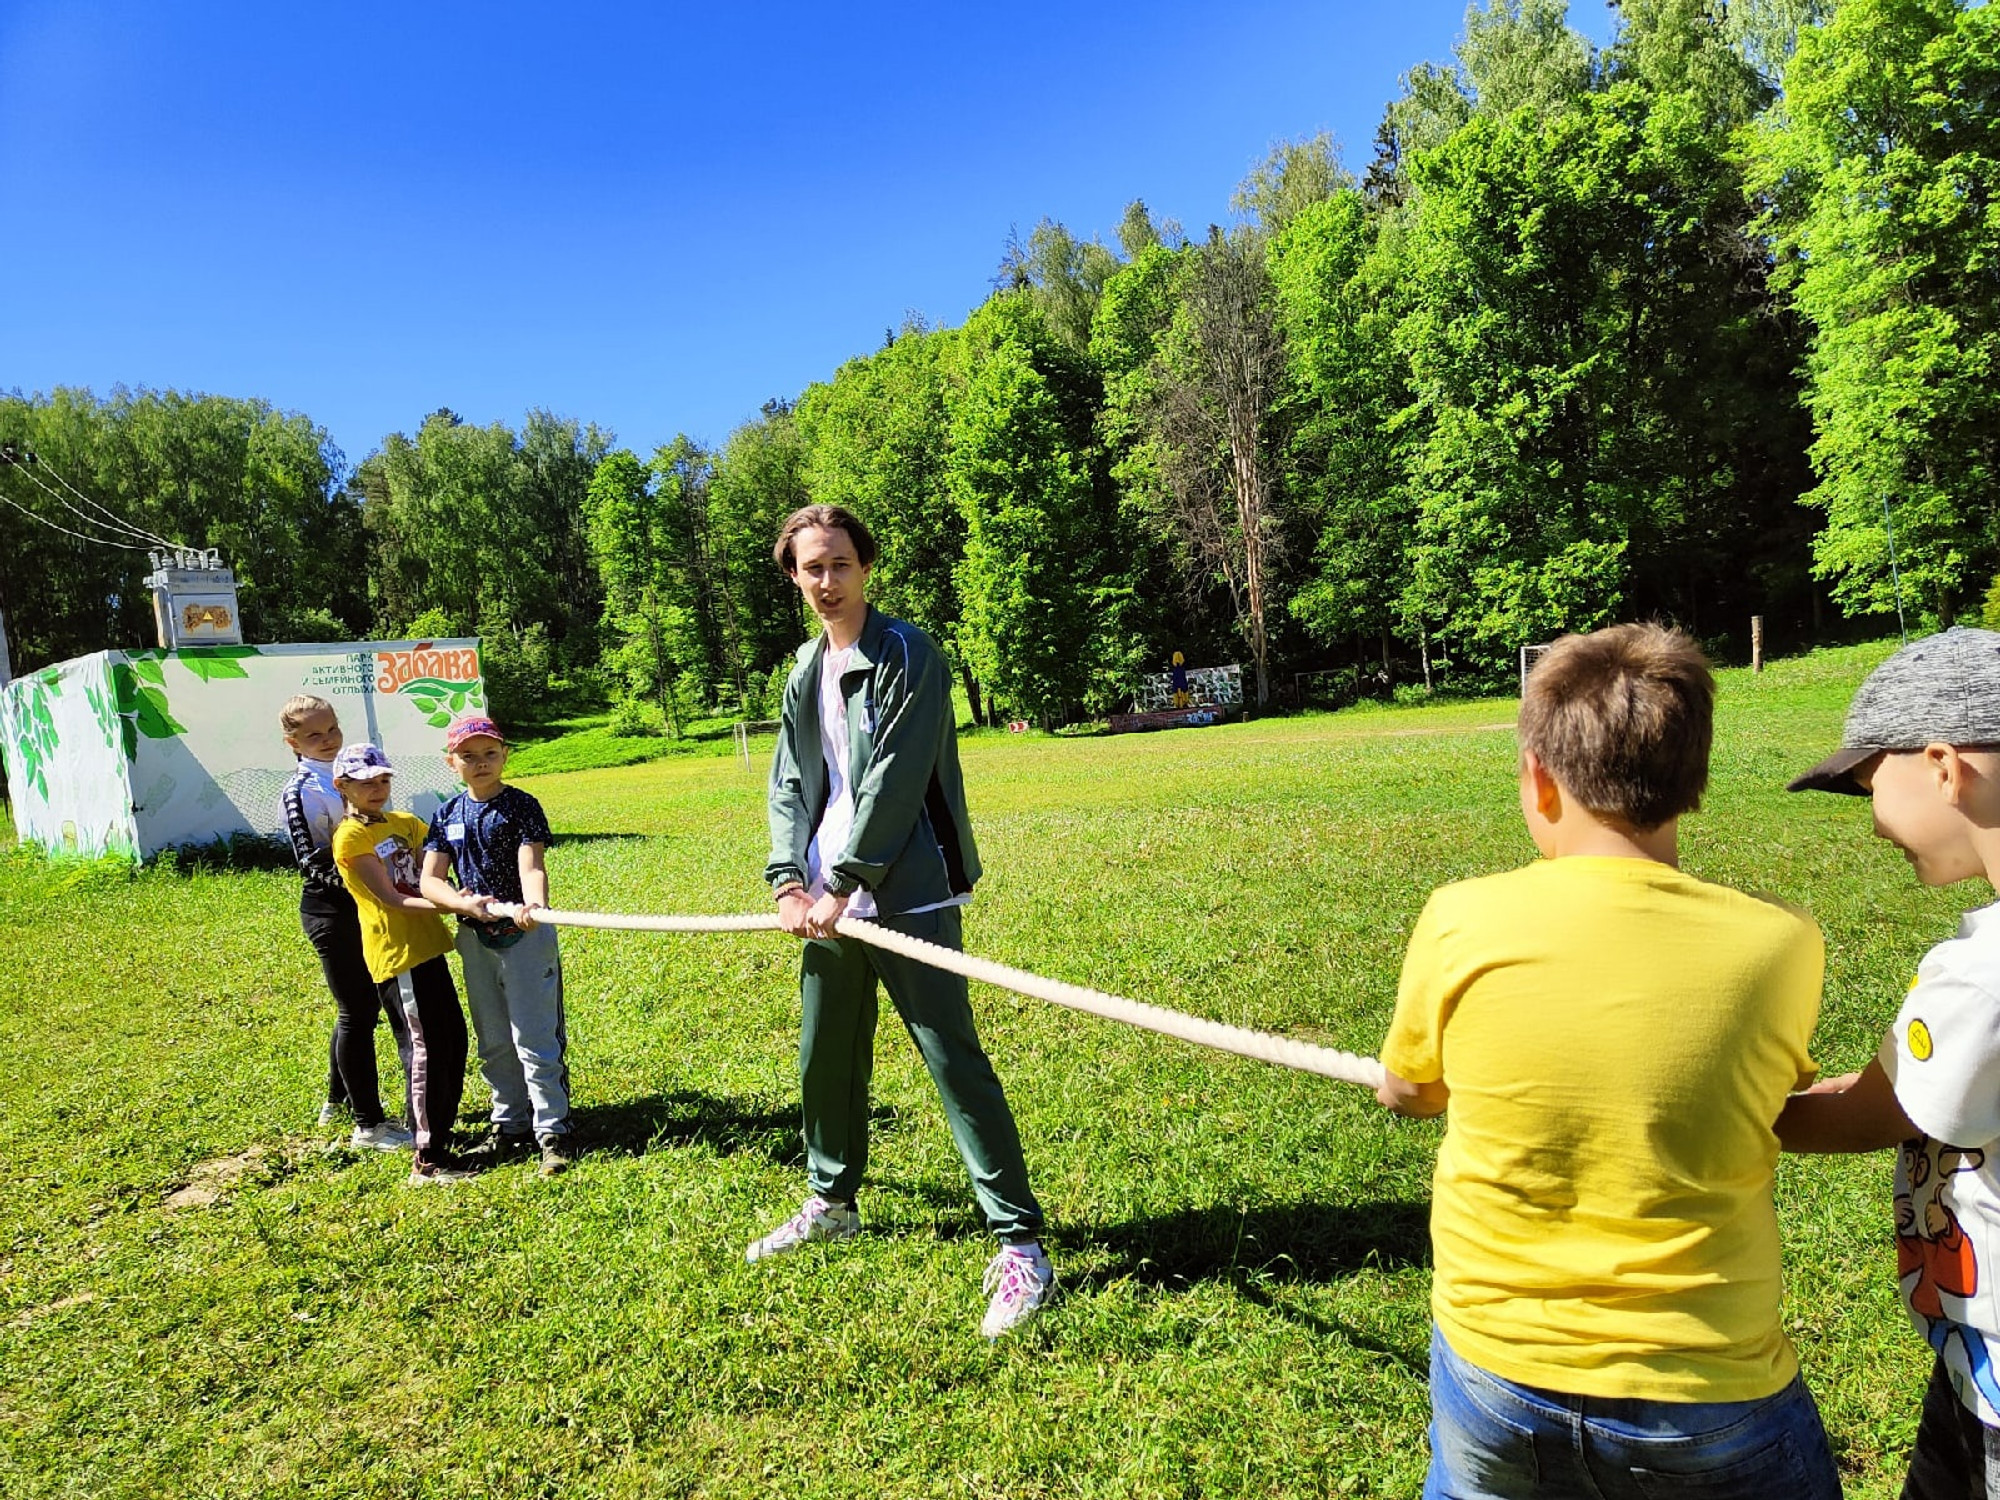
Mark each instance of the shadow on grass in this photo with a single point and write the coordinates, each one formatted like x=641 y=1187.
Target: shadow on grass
x=1255 y=1250
x=570 y=840
x=1274 y=1243
x=240 y=851
x=684 y=1117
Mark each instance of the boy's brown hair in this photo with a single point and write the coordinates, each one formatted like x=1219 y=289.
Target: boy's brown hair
x=1623 y=718
x=299 y=708
x=831 y=518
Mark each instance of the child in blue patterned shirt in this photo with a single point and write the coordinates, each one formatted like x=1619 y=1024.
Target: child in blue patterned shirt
x=490 y=838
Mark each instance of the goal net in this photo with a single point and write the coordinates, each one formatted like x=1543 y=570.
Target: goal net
x=743 y=730
x=1529 y=656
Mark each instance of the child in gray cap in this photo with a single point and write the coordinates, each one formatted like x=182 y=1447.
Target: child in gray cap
x=1923 y=741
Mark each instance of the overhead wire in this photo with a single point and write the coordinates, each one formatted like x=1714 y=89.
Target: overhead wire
x=114 y=523
x=102 y=541
x=114 y=518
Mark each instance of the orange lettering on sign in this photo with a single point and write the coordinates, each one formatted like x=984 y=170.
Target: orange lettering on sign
x=395 y=670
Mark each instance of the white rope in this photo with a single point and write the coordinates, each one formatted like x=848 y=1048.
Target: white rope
x=1328 y=1062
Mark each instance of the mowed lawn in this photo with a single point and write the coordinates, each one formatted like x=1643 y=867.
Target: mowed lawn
x=203 y=1295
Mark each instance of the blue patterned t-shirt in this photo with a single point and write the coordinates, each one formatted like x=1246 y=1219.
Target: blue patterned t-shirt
x=483 y=840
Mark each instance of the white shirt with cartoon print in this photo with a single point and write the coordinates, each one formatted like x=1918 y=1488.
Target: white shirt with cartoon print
x=1943 y=1057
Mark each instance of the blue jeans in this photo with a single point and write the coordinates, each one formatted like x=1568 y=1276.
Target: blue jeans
x=1494 y=1440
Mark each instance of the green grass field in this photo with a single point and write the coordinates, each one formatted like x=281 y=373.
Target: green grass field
x=1243 y=1249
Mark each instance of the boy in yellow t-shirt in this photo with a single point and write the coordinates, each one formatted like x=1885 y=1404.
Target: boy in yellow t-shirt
x=404 y=943
x=1614 y=1040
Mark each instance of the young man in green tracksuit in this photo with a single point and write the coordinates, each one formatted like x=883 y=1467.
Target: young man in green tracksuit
x=868 y=820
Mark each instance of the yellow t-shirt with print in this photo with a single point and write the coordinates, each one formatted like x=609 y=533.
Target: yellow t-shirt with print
x=393 y=941
x=1618 y=1038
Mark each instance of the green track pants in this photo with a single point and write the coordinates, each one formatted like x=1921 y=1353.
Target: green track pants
x=837 y=978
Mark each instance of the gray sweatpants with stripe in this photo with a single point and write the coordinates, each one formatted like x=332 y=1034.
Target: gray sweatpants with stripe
x=515 y=995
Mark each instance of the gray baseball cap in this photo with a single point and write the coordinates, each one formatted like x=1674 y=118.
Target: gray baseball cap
x=1943 y=689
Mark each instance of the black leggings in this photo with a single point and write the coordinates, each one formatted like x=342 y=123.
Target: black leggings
x=429 y=1002
x=333 y=927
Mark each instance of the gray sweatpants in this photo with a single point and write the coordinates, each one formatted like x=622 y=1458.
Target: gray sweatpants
x=516 y=999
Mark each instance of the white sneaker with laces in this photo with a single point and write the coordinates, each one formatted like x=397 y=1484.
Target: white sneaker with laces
x=817 y=1219
x=1019 y=1280
x=390 y=1135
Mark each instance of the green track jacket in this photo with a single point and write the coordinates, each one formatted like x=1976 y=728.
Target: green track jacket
x=912 y=843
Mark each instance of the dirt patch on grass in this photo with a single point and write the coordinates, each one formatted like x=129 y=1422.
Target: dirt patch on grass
x=62 y=1304
x=212 y=1181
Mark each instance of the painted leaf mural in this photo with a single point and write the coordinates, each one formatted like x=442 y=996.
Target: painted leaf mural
x=440 y=702
x=31 y=727
x=102 y=711
x=150 y=758
x=215 y=663
x=142 y=707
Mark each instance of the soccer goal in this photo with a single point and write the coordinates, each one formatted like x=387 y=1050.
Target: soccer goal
x=1529 y=656
x=742 y=731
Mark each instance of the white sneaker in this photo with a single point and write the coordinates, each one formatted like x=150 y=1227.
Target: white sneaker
x=817 y=1219
x=390 y=1135
x=331 y=1113
x=1020 y=1281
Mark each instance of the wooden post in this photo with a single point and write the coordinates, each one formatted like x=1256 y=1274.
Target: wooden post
x=1756 y=643
x=6 y=665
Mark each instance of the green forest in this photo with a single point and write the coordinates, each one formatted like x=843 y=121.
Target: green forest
x=1698 y=326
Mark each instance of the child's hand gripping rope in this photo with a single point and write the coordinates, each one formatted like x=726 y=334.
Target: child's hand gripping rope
x=1328 y=1062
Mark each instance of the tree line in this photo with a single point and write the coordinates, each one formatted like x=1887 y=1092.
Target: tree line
x=1698 y=326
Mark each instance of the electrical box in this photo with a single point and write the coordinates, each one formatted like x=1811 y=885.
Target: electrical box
x=194 y=600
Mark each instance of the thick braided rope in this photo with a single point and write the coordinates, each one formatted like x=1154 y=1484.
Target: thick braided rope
x=1328 y=1062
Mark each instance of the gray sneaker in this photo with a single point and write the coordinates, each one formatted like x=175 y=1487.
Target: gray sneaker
x=386 y=1135
x=1020 y=1281
x=558 y=1153
x=331 y=1113
x=817 y=1219
x=499 y=1146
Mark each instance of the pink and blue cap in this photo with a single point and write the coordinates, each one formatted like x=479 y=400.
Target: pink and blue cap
x=471 y=726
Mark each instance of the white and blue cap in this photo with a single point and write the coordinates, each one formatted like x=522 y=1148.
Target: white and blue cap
x=1941 y=690
x=362 y=762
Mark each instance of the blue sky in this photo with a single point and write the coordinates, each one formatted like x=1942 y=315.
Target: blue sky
x=653 y=217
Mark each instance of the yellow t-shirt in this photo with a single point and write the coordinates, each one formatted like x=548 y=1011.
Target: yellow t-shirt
x=393 y=941
x=1618 y=1038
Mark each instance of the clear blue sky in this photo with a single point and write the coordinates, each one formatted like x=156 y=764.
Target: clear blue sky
x=653 y=217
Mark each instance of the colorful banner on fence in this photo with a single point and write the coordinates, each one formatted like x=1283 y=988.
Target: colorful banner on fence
x=132 y=752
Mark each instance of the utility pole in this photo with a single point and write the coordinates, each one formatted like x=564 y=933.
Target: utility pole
x=6 y=663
